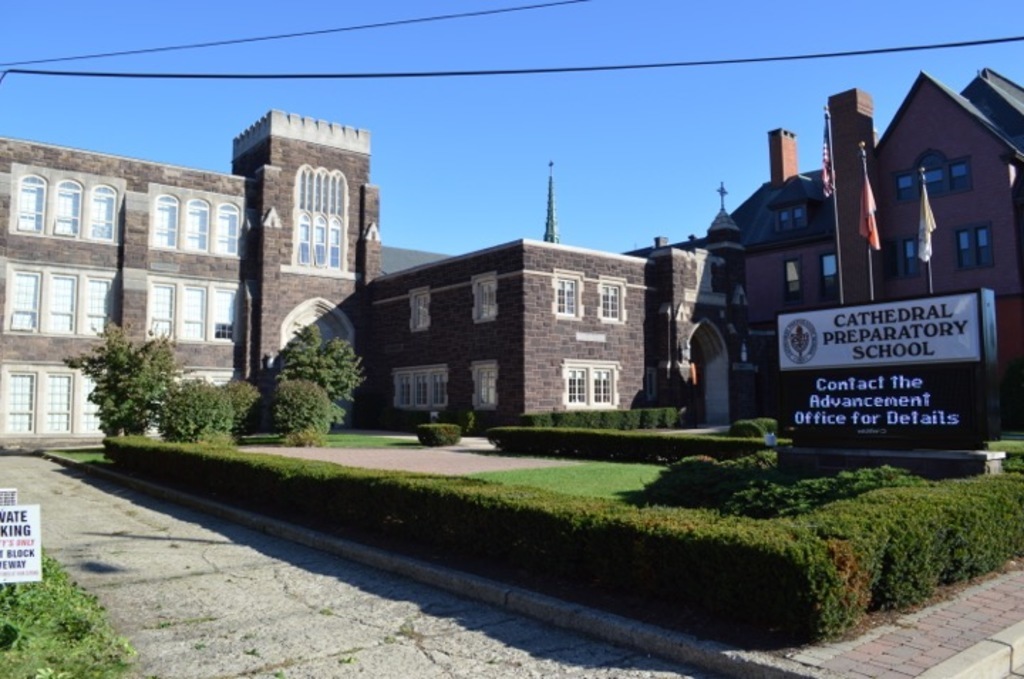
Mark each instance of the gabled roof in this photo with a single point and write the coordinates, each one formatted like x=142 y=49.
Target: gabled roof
x=756 y=216
x=994 y=102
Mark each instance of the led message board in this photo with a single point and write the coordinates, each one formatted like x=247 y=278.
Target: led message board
x=913 y=373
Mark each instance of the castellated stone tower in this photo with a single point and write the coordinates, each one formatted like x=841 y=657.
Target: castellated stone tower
x=313 y=242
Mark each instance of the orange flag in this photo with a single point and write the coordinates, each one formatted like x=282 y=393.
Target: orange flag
x=868 y=224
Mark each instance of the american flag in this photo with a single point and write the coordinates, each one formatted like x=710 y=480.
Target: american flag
x=828 y=177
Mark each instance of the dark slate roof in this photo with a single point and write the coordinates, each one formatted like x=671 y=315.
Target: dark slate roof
x=756 y=216
x=690 y=244
x=1001 y=102
x=393 y=260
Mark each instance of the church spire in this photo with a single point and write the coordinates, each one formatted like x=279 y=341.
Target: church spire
x=551 y=229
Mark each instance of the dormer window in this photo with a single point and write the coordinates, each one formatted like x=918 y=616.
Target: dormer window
x=940 y=174
x=793 y=217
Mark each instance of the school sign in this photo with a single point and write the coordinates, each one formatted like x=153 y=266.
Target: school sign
x=914 y=373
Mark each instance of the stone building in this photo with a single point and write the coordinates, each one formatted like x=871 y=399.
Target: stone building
x=231 y=265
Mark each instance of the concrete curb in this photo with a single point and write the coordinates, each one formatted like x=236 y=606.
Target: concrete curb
x=994 y=658
x=601 y=625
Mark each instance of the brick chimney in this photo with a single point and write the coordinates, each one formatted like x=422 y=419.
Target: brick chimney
x=782 y=155
x=852 y=115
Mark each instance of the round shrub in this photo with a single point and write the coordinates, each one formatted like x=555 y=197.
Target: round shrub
x=301 y=405
x=747 y=429
x=245 y=405
x=306 y=438
x=193 y=411
x=439 y=434
x=769 y=424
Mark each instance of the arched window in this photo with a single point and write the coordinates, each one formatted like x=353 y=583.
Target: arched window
x=227 y=230
x=101 y=213
x=31 y=203
x=197 y=228
x=69 y=209
x=320 y=234
x=165 y=229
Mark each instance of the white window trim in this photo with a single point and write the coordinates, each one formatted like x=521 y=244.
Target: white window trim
x=412 y=373
x=482 y=313
x=620 y=284
x=209 y=331
x=313 y=200
x=52 y=179
x=81 y=316
x=577 y=278
x=214 y=202
x=80 y=406
x=416 y=322
x=589 y=367
x=480 y=369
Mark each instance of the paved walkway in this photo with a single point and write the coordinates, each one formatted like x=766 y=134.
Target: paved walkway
x=223 y=570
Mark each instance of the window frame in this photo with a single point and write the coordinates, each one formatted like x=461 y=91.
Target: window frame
x=45 y=308
x=37 y=215
x=828 y=285
x=320 y=237
x=416 y=387
x=942 y=176
x=899 y=258
x=566 y=305
x=68 y=209
x=182 y=312
x=419 y=309
x=485 y=384
x=619 y=314
x=979 y=258
x=485 y=297
x=792 y=288
x=580 y=385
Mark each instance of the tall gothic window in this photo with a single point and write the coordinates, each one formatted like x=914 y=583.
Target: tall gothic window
x=320 y=233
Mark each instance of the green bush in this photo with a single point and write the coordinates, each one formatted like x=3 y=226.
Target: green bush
x=769 y=424
x=301 y=405
x=439 y=434
x=307 y=438
x=704 y=482
x=641 y=418
x=245 y=405
x=194 y=410
x=466 y=420
x=618 y=446
x=396 y=419
x=747 y=429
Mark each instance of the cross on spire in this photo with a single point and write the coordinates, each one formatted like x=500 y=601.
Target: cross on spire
x=722 y=193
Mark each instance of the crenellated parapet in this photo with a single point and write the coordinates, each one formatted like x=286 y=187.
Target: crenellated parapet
x=292 y=126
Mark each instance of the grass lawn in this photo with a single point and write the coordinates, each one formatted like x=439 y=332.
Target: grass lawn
x=340 y=441
x=611 y=480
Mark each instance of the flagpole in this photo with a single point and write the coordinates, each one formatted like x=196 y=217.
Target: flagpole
x=927 y=221
x=871 y=275
x=835 y=203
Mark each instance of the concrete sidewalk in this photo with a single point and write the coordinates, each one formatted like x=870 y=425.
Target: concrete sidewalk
x=978 y=634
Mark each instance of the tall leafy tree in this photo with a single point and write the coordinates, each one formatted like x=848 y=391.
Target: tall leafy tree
x=333 y=365
x=130 y=380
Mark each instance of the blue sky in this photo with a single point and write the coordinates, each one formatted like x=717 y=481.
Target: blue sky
x=462 y=163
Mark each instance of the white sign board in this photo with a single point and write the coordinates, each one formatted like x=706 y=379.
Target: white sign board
x=21 y=544
x=929 y=329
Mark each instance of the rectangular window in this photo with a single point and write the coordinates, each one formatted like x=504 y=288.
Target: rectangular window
x=335 y=245
x=792 y=292
x=197 y=227
x=906 y=187
x=69 y=209
x=900 y=258
x=419 y=300
x=973 y=247
x=31 y=202
x=165 y=232
x=25 y=315
x=602 y=386
x=98 y=305
x=227 y=230
x=162 y=313
x=959 y=176
x=21 y=400
x=403 y=390
x=304 y=240
x=58 y=403
x=566 y=290
x=101 y=214
x=420 y=390
x=577 y=386
x=651 y=384
x=439 y=388
x=194 y=314
x=320 y=242
x=829 y=277
x=485 y=298
x=485 y=384
x=224 y=314
x=90 y=411
x=611 y=302
x=62 y=303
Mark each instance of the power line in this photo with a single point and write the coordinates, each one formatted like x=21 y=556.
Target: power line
x=303 y=34
x=509 y=71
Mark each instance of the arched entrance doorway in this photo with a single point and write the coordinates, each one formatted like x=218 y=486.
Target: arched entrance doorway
x=329 y=320
x=709 y=360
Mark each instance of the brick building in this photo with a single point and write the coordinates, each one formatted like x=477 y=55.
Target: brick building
x=971 y=148
x=231 y=265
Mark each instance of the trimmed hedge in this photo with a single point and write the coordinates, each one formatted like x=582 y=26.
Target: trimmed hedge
x=471 y=422
x=779 y=575
x=618 y=446
x=438 y=434
x=641 y=418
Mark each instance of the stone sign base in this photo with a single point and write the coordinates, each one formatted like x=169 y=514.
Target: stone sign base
x=931 y=464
